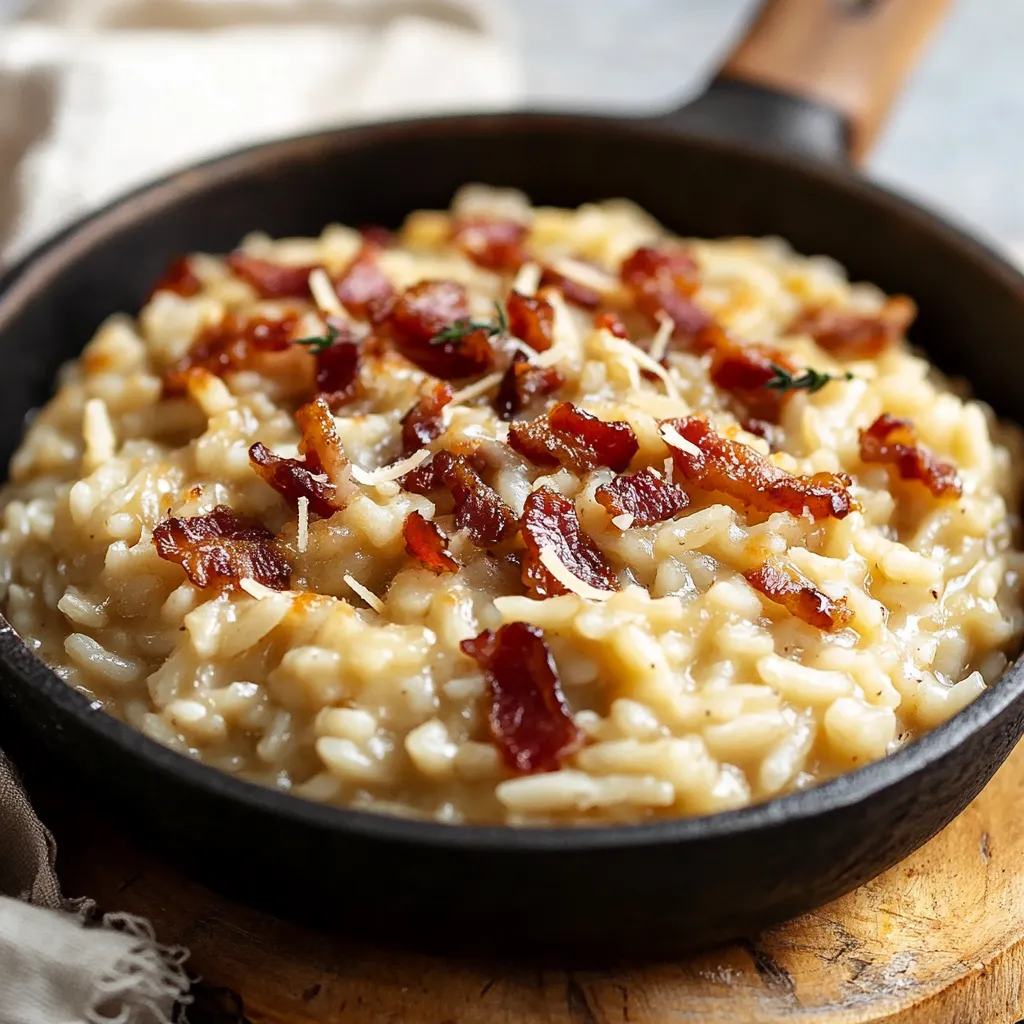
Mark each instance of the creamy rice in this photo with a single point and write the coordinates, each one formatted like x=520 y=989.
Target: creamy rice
x=693 y=692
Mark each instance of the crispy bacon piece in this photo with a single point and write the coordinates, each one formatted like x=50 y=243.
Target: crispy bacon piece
x=849 y=335
x=271 y=280
x=493 y=244
x=532 y=319
x=783 y=583
x=178 y=278
x=423 y=422
x=426 y=541
x=529 y=719
x=550 y=521
x=222 y=548
x=646 y=496
x=324 y=474
x=424 y=310
x=740 y=472
x=337 y=368
x=293 y=479
x=663 y=280
x=571 y=437
x=572 y=291
x=522 y=383
x=894 y=442
x=479 y=509
x=230 y=345
x=612 y=323
x=364 y=289
x=744 y=369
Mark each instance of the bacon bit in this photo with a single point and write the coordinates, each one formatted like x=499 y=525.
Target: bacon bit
x=644 y=496
x=550 y=521
x=529 y=718
x=293 y=479
x=320 y=444
x=377 y=235
x=178 y=278
x=612 y=323
x=851 y=335
x=424 y=422
x=271 y=280
x=423 y=311
x=479 y=509
x=663 y=280
x=423 y=479
x=364 y=289
x=228 y=346
x=522 y=383
x=426 y=541
x=532 y=319
x=221 y=548
x=493 y=244
x=745 y=369
x=894 y=442
x=574 y=438
x=337 y=366
x=733 y=468
x=573 y=292
x=786 y=585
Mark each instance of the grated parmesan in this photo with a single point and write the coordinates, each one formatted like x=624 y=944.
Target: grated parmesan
x=669 y=467
x=302 y=538
x=674 y=439
x=623 y=521
x=481 y=387
x=392 y=472
x=324 y=294
x=527 y=279
x=659 y=346
x=585 y=274
x=558 y=569
x=367 y=595
x=644 y=361
x=256 y=589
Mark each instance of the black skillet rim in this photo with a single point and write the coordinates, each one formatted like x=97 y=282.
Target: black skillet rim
x=32 y=272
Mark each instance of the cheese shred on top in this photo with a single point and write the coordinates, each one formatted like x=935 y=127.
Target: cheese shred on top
x=554 y=565
x=481 y=387
x=392 y=472
x=324 y=294
x=302 y=537
x=367 y=595
x=659 y=346
x=674 y=439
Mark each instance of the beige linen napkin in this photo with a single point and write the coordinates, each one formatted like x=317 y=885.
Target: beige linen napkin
x=102 y=97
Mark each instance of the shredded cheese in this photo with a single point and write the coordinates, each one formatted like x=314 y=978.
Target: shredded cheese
x=392 y=472
x=644 y=361
x=585 y=274
x=623 y=521
x=481 y=387
x=324 y=294
x=669 y=466
x=256 y=589
x=674 y=439
x=557 y=568
x=367 y=595
x=527 y=279
x=302 y=538
x=659 y=346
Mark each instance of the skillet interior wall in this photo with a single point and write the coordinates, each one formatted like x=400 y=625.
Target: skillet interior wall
x=969 y=324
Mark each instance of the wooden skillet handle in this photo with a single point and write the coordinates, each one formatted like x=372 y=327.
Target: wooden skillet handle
x=850 y=55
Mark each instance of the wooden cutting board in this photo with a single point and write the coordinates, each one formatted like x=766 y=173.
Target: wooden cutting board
x=939 y=939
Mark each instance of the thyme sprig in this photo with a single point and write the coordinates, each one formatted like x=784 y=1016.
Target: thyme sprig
x=810 y=380
x=458 y=330
x=318 y=342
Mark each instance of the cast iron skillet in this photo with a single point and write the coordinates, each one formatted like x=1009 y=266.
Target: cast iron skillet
x=671 y=885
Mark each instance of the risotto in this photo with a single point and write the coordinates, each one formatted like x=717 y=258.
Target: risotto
x=518 y=515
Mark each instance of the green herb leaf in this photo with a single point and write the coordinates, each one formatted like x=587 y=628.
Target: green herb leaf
x=320 y=341
x=809 y=381
x=458 y=330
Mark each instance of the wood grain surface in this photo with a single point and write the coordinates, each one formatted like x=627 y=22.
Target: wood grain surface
x=937 y=939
